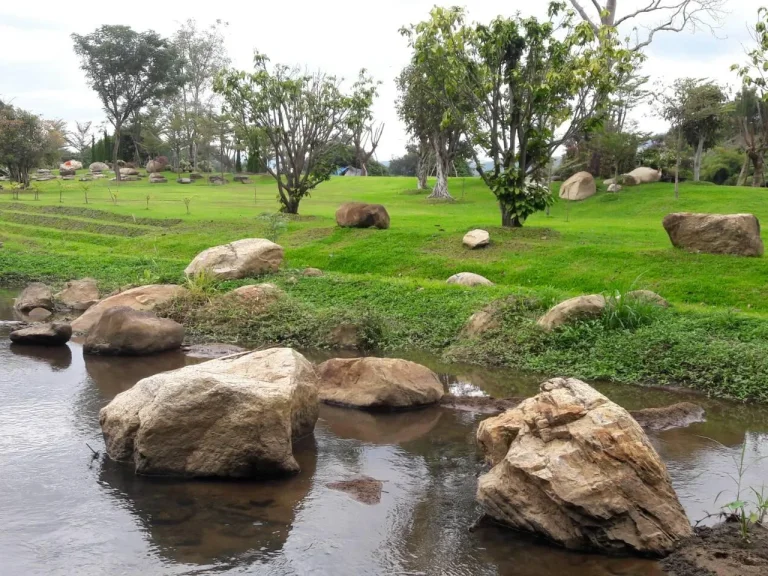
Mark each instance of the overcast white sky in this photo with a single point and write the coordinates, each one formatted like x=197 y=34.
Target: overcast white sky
x=39 y=71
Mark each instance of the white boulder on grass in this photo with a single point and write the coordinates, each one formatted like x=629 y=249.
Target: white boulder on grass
x=469 y=279
x=580 y=186
x=476 y=239
x=239 y=259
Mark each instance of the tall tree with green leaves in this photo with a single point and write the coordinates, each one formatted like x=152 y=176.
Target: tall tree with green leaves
x=26 y=140
x=415 y=111
x=535 y=85
x=303 y=115
x=365 y=132
x=433 y=101
x=128 y=70
x=704 y=119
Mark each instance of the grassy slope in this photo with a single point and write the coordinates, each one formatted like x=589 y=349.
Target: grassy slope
x=397 y=275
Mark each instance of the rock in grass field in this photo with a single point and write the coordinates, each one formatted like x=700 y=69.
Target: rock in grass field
x=361 y=215
x=647 y=296
x=476 y=239
x=141 y=298
x=378 y=383
x=580 y=186
x=79 y=294
x=577 y=308
x=312 y=272
x=55 y=334
x=258 y=294
x=35 y=295
x=99 y=167
x=736 y=234
x=572 y=466
x=124 y=331
x=643 y=175
x=234 y=417
x=240 y=259
x=469 y=279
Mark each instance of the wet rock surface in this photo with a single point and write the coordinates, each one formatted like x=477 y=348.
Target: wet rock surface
x=678 y=415
x=55 y=334
x=366 y=490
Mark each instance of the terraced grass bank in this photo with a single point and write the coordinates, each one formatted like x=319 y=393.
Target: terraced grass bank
x=390 y=285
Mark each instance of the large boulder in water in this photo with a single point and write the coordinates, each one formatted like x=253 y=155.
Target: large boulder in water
x=79 y=294
x=361 y=215
x=124 y=331
x=141 y=298
x=239 y=259
x=572 y=466
x=35 y=295
x=55 y=334
x=233 y=417
x=736 y=234
x=580 y=186
x=378 y=383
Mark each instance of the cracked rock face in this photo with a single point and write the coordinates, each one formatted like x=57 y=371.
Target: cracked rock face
x=575 y=468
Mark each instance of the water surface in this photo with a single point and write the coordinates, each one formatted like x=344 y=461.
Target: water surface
x=65 y=512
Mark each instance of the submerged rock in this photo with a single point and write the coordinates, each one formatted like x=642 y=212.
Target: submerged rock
x=35 y=295
x=573 y=309
x=239 y=259
x=211 y=351
x=38 y=315
x=124 y=331
x=362 y=215
x=364 y=489
x=79 y=294
x=141 y=298
x=378 y=383
x=572 y=466
x=479 y=404
x=735 y=234
x=233 y=417
x=55 y=334
x=667 y=417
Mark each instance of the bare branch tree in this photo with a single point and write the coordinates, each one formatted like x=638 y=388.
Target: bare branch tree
x=80 y=137
x=667 y=15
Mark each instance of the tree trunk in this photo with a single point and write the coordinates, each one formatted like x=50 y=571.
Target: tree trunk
x=697 y=160
x=363 y=169
x=290 y=205
x=508 y=218
x=422 y=169
x=440 y=191
x=115 y=150
x=758 y=177
x=743 y=174
x=677 y=161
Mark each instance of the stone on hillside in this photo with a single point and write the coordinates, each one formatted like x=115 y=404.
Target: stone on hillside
x=614 y=188
x=258 y=294
x=124 y=331
x=347 y=336
x=45 y=177
x=154 y=166
x=35 y=295
x=242 y=178
x=482 y=321
x=609 y=182
x=578 y=308
x=575 y=468
x=43 y=171
x=98 y=176
x=645 y=175
x=580 y=186
x=38 y=315
x=235 y=417
x=55 y=334
x=71 y=165
x=157 y=179
x=312 y=272
x=378 y=383
x=647 y=296
x=68 y=177
x=240 y=259
x=79 y=294
x=469 y=279
x=476 y=239
x=67 y=172
x=195 y=176
x=217 y=180
x=362 y=215
x=141 y=298
x=184 y=181
x=737 y=234
x=99 y=167
x=129 y=172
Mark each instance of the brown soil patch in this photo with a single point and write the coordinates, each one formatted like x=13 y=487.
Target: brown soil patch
x=481 y=405
x=720 y=551
x=364 y=489
x=679 y=415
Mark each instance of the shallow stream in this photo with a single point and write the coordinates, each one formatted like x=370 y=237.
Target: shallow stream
x=65 y=511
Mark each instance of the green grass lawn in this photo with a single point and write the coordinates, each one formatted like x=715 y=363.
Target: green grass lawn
x=606 y=241
x=392 y=282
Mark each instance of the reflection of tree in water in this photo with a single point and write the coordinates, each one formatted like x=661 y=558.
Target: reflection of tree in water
x=205 y=522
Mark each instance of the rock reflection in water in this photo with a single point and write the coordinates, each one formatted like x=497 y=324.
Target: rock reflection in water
x=57 y=357
x=379 y=428
x=214 y=522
